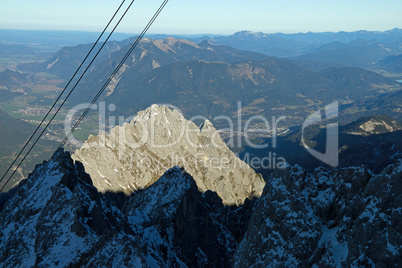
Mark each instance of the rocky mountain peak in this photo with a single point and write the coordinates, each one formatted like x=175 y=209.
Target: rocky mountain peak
x=164 y=193
x=207 y=126
x=156 y=112
x=135 y=155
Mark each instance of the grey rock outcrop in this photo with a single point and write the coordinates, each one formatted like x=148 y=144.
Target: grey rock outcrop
x=340 y=218
x=135 y=155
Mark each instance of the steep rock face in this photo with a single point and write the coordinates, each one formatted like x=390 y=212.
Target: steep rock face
x=135 y=155
x=160 y=219
x=169 y=205
x=336 y=218
x=189 y=223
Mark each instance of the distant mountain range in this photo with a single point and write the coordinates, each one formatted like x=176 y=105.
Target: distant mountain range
x=263 y=86
x=289 y=45
x=58 y=39
x=359 y=53
x=216 y=77
x=163 y=58
x=318 y=51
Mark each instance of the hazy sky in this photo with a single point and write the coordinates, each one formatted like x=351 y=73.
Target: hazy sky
x=207 y=16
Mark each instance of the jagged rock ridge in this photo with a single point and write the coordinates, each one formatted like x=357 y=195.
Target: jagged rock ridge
x=347 y=217
x=136 y=154
x=344 y=217
x=57 y=218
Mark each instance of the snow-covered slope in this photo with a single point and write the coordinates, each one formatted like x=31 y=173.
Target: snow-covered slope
x=57 y=218
x=345 y=217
